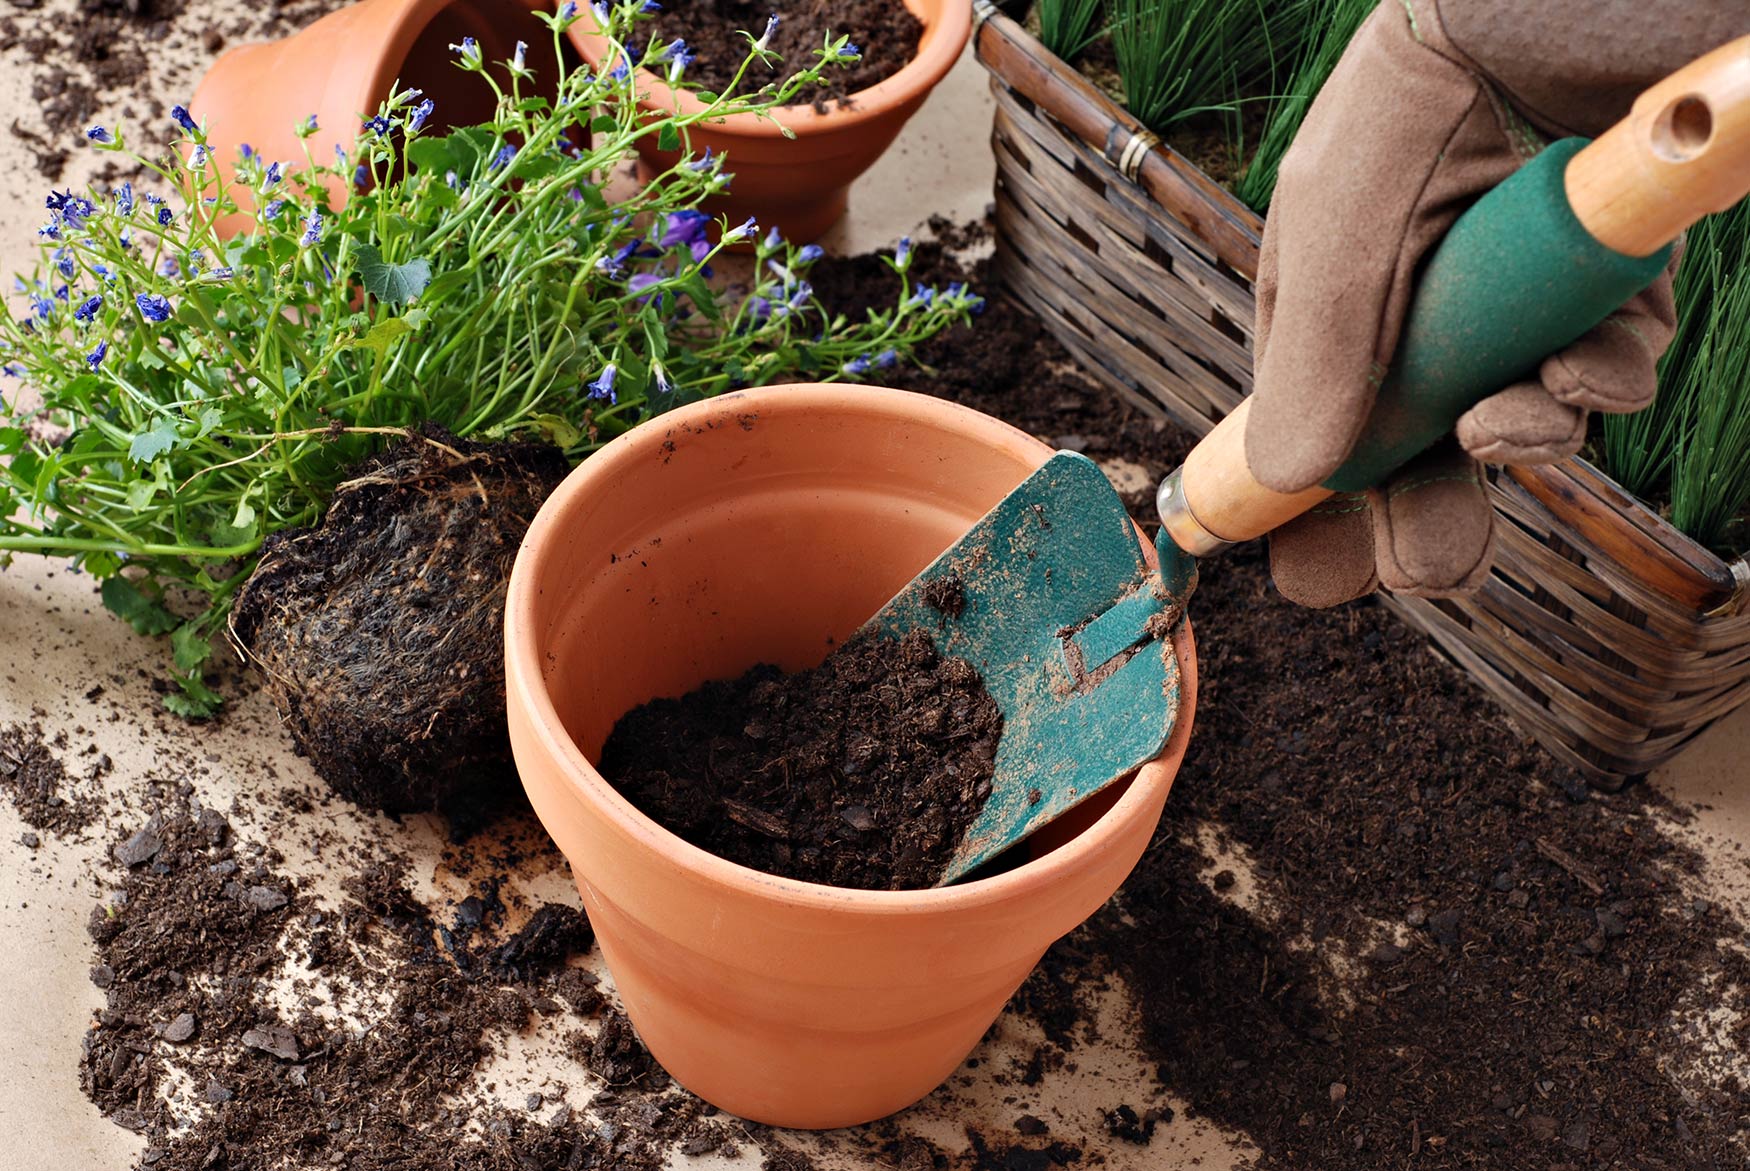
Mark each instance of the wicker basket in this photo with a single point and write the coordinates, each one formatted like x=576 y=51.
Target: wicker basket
x=1610 y=636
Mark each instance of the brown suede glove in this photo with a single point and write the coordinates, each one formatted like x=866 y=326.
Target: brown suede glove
x=1435 y=102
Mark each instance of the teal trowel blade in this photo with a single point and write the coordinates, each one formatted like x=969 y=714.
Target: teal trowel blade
x=1066 y=623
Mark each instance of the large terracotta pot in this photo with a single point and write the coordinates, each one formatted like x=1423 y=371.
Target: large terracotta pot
x=766 y=526
x=341 y=68
x=800 y=185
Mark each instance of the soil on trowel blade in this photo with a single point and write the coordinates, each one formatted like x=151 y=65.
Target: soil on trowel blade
x=863 y=772
x=884 y=31
x=379 y=630
x=1448 y=951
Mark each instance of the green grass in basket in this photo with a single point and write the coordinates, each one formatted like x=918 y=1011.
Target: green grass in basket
x=1333 y=26
x=1693 y=444
x=1183 y=57
x=1069 y=26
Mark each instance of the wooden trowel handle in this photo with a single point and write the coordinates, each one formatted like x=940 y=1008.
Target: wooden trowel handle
x=1527 y=270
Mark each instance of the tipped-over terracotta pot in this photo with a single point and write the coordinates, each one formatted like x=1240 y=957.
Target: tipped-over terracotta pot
x=341 y=68
x=800 y=185
x=766 y=526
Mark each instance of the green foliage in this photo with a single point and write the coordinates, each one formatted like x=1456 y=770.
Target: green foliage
x=1693 y=443
x=187 y=393
x=1068 y=26
x=1183 y=57
x=1332 y=26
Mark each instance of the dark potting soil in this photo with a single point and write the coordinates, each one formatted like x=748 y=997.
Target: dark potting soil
x=379 y=630
x=885 y=32
x=134 y=57
x=1462 y=956
x=204 y=922
x=34 y=777
x=863 y=772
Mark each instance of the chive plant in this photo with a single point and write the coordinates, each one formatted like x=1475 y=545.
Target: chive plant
x=1333 y=25
x=1693 y=443
x=1177 y=58
x=1069 y=26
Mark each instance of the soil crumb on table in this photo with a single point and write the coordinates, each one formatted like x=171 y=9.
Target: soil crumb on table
x=884 y=31
x=864 y=772
x=33 y=776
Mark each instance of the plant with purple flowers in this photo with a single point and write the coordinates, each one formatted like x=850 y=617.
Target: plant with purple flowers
x=215 y=387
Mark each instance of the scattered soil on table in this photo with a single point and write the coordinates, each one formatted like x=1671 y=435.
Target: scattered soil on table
x=1458 y=956
x=223 y=1044
x=134 y=58
x=884 y=30
x=863 y=772
x=379 y=631
x=31 y=773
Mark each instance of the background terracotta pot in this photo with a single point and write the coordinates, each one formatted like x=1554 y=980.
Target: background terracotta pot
x=341 y=69
x=765 y=527
x=801 y=185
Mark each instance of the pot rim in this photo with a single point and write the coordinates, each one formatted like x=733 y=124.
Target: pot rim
x=525 y=677
x=939 y=48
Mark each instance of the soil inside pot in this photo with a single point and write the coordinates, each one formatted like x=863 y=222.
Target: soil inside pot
x=885 y=32
x=863 y=772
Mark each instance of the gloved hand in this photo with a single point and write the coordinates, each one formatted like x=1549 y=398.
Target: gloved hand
x=1435 y=102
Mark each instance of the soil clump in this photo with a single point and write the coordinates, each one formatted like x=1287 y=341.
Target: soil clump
x=884 y=31
x=379 y=631
x=37 y=781
x=863 y=772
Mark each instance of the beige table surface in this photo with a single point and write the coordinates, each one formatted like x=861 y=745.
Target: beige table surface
x=56 y=643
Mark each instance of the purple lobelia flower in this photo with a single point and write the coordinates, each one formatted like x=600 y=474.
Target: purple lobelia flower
x=95 y=358
x=602 y=389
x=88 y=309
x=153 y=307
x=687 y=227
x=180 y=113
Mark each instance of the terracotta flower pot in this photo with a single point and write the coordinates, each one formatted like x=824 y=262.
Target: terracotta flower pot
x=341 y=68
x=766 y=526
x=801 y=185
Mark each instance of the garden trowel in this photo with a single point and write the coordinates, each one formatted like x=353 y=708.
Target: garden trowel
x=1049 y=595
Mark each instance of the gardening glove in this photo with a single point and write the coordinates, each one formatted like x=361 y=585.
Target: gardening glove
x=1434 y=103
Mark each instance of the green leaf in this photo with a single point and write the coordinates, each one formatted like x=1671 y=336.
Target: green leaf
x=668 y=138
x=196 y=701
x=11 y=439
x=149 y=445
x=604 y=124
x=140 y=493
x=190 y=648
x=381 y=336
x=556 y=430
x=101 y=564
x=123 y=598
x=396 y=284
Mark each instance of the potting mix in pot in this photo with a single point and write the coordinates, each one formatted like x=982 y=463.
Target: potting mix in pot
x=864 y=772
x=321 y=440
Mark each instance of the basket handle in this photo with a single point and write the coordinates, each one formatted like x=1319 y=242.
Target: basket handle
x=1591 y=221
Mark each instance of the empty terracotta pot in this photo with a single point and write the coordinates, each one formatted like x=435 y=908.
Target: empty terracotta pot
x=766 y=526
x=341 y=68
x=801 y=184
